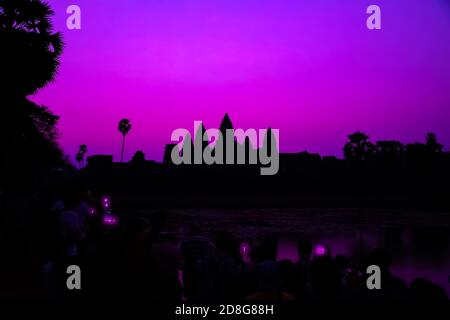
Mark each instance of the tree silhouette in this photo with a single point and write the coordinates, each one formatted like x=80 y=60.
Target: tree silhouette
x=421 y=151
x=359 y=147
x=416 y=151
x=83 y=148
x=80 y=155
x=433 y=146
x=29 y=58
x=138 y=157
x=124 y=128
x=138 y=160
x=389 y=149
x=30 y=49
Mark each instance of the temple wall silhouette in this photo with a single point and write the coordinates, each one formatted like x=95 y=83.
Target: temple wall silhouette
x=305 y=179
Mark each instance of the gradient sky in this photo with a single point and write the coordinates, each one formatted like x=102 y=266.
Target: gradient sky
x=309 y=67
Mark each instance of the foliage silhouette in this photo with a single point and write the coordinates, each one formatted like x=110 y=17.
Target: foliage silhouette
x=29 y=59
x=124 y=128
x=81 y=155
x=138 y=157
x=389 y=149
x=30 y=49
x=359 y=147
x=432 y=144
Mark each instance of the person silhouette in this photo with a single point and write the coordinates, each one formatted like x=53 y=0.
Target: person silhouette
x=303 y=266
x=422 y=289
x=393 y=288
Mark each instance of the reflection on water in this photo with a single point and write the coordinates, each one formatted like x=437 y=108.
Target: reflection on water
x=415 y=252
x=419 y=242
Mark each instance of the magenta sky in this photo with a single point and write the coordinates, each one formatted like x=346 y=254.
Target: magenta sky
x=310 y=68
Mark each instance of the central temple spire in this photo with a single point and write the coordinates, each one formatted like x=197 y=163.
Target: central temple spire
x=226 y=123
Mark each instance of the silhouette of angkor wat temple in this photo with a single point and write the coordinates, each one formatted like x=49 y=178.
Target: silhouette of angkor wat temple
x=376 y=175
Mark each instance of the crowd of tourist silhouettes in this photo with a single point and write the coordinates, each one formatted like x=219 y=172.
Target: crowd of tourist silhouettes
x=140 y=259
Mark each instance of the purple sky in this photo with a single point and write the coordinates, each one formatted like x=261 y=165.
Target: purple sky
x=310 y=68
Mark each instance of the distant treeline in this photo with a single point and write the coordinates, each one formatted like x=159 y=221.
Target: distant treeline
x=381 y=174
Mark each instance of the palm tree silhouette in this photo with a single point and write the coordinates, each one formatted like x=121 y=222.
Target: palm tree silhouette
x=30 y=49
x=83 y=148
x=80 y=155
x=124 y=128
x=29 y=58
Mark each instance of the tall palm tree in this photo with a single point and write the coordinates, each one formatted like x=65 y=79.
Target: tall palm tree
x=124 y=128
x=80 y=155
x=29 y=58
x=83 y=148
x=30 y=49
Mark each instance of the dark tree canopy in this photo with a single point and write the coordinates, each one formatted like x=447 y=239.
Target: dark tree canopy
x=124 y=126
x=389 y=149
x=29 y=58
x=138 y=157
x=432 y=143
x=358 y=147
x=30 y=52
x=30 y=148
